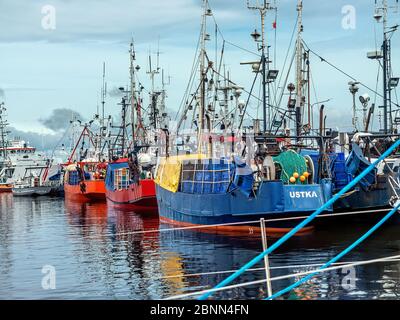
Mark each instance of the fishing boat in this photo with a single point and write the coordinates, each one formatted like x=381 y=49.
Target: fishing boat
x=351 y=152
x=378 y=187
x=130 y=187
x=39 y=181
x=220 y=188
x=85 y=172
x=31 y=187
x=84 y=181
x=130 y=174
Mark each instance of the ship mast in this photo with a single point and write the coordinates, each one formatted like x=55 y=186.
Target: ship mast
x=133 y=89
x=3 y=132
x=386 y=69
x=389 y=83
x=162 y=111
x=202 y=76
x=100 y=117
x=299 y=69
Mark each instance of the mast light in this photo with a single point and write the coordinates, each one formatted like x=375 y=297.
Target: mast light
x=393 y=82
x=272 y=75
x=375 y=55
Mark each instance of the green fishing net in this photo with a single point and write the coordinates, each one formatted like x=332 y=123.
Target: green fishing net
x=290 y=162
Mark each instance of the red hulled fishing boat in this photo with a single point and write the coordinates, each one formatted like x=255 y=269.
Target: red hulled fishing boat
x=128 y=186
x=129 y=178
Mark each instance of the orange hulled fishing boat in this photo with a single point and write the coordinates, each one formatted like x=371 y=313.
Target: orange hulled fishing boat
x=84 y=181
x=84 y=172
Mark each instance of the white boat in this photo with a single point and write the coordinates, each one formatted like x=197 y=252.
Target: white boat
x=26 y=189
x=20 y=162
x=48 y=182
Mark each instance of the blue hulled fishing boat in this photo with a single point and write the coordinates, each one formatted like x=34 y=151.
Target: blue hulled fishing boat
x=231 y=180
x=196 y=190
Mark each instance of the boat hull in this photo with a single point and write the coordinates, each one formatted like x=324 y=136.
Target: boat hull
x=140 y=197
x=377 y=196
x=281 y=205
x=94 y=191
x=7 y=187
x=32 y=191
x=364 y=200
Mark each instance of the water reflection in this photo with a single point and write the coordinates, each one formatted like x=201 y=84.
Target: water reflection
x=102 y=253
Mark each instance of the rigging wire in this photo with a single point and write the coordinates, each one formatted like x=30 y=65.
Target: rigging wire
x=189 y=85
x=344 y=73
x=376 y=89
x=228 y=42
x=286 y=58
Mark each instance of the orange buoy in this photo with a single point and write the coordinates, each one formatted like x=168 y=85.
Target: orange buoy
x=292 y=179
x=306 y=174
x=295 y=175
x=302 y=178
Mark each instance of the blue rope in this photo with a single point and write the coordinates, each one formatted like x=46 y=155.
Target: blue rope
x=339 y=256
x=301 y=225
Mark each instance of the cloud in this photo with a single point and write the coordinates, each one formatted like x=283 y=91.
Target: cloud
x=43 y=142
x=91 y=19
x=69 y=58
x=59 y=119
x=115 y=93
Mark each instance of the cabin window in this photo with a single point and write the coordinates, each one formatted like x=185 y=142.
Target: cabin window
x=121 y=179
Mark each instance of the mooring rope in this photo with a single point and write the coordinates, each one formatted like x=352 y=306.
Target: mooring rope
x=301 y=225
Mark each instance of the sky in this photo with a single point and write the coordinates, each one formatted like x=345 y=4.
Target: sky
x=48 y=65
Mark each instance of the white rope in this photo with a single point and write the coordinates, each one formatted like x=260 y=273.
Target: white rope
x=283 y=277
x=240 y=223
x=255 y=269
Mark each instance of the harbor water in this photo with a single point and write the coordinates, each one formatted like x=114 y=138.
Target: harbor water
x=98 y=252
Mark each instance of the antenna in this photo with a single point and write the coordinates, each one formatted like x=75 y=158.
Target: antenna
x=150 y=69
x=103 y=90
x=158 y=54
